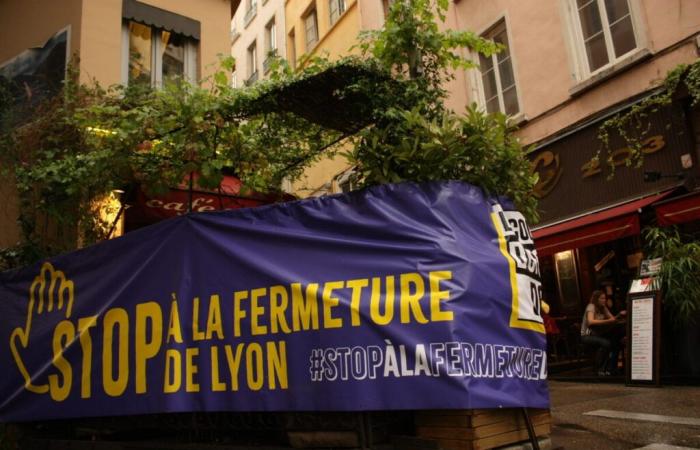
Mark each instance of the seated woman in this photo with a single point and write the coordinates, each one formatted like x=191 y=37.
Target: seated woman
x=596 y=331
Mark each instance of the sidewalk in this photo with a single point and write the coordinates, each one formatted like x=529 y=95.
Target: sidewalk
x=624 y=417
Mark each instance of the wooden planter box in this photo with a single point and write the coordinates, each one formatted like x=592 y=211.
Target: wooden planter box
x=478 y=429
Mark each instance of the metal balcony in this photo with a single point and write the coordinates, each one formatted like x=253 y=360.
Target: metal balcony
x=250 y=14
x=235 y=34
x=252 y=78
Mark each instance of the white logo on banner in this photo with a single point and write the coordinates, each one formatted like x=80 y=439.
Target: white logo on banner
x=518 y=247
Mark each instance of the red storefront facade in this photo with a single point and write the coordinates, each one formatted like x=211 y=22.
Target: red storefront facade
x=592 y=214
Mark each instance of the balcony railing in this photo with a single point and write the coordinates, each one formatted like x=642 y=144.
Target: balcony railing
x=252 y=78
x=250 y=14
x=235 y=34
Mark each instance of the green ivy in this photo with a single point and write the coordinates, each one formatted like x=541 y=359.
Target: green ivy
x=633 y=125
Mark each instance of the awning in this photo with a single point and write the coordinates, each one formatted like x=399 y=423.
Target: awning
x=145 y=209
x=160 y=18
x=679 y=210
x=602 y=226
x=329 y=98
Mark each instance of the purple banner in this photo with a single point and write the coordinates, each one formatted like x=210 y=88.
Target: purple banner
x=401 y=296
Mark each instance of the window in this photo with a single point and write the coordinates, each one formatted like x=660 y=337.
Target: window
x=235 y=34
x=497 y=77
x=252 y=64
x=173 y=55
x=271 y=36
x=292 y=48
x=270 y=44
x=345 y=181
x=311 y=29
x=250 y=11
x=337 y=8
x=140 y=53
x=157 y=56
x=605 y=32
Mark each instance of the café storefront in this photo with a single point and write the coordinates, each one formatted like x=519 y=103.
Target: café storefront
x=592 y=212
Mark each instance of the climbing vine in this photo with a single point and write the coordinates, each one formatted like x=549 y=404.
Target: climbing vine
x=88 y=142
x=679 y=279
x=633 y=125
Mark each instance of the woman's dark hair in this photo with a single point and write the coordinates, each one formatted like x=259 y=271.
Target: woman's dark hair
x=594 y=299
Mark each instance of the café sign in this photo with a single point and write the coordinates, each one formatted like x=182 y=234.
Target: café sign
x=569 y=170
x=548 y=166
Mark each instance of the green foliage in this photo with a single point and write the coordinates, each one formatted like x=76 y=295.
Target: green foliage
x=412 y=46
x=680 y=271
x=476 y=148
x=633 y=125
x=90 y=141
x=415 y=137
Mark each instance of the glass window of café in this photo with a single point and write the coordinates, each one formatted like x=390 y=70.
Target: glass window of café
x=570 y=277
x=157 y=56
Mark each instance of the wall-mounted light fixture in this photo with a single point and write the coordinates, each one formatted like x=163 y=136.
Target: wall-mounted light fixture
x=652 y=176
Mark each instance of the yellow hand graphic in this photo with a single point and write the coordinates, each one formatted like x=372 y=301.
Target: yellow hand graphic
x=50 y=290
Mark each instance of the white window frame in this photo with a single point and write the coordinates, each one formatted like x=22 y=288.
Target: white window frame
x=189 y=69
x=341 y=180
x=476 y=78
x=251 y=4
x=577 y=45
x=271 y=35
x=340 y=10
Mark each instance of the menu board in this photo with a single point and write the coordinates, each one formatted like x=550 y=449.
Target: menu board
x=642 y=328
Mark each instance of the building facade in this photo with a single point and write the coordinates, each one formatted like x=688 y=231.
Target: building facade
x=327 y=28
x=106 y=34
x=568 y=65
x=257 y=35
x=115 y=42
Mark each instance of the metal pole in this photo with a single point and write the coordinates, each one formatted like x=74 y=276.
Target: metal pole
x=530 y=430
x=116 y=220
x=189 y=195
